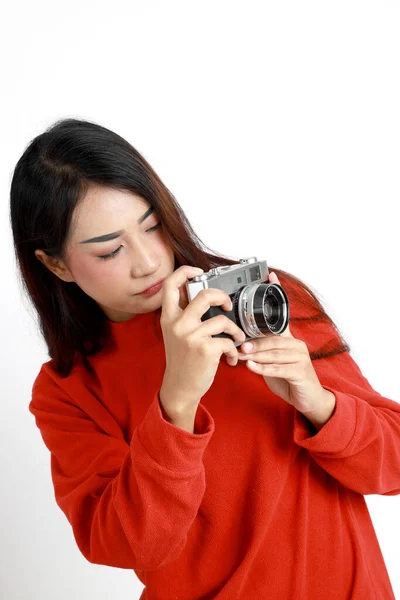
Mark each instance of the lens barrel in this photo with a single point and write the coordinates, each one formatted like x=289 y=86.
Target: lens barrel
x=261 y=308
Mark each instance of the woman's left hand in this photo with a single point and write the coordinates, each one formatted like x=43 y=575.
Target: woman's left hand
x=285 y=364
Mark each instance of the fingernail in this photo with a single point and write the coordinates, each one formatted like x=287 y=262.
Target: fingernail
x=247 y=347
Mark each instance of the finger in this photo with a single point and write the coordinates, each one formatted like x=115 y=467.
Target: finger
x=272 y=356
x=171 y=290
x=268 y=342
x=205 y=299
x=273 y=278
x=281 y=371
x=222 y=324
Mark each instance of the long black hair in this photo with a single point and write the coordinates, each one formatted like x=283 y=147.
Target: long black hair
x=51 y=177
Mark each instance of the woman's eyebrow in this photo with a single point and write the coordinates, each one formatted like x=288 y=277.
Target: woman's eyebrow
x=112 y=236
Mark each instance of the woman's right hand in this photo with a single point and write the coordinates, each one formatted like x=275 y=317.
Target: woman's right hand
x=192 y=355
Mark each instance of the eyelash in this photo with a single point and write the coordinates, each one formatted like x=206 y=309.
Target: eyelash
x=113 y=254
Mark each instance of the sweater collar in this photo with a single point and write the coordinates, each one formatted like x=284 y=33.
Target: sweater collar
x=142 y=330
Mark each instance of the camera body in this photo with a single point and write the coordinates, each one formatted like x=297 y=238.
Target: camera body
x=258 y=307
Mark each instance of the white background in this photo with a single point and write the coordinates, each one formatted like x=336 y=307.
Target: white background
x=276 y=126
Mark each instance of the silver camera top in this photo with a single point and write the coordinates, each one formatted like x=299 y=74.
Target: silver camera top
x=229 y=277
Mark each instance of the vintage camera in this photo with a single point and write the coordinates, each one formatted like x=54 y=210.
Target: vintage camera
x=258 y=308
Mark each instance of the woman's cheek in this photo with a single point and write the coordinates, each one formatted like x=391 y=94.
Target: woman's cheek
x=91 y=272
x=106 y=272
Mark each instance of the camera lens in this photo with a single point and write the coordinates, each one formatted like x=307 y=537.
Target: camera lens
x=262 y=308
x=274 y=307
x=271 y=310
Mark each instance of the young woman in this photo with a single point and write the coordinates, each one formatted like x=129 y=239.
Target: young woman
x=240 y=478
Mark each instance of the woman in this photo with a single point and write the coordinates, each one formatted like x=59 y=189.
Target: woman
x=239 y=479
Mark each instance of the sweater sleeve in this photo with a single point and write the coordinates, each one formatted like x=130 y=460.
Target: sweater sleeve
x=360 y=444
x=129 y=505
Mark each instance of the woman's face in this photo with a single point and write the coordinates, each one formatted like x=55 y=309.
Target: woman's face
x=141 y=254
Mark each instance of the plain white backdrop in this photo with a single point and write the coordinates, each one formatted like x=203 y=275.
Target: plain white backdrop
x=276 y=126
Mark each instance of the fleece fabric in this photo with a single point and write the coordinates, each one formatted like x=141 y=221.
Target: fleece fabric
x=254 y=504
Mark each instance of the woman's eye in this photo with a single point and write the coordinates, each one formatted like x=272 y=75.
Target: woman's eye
x=111 y=255
x=115 y=252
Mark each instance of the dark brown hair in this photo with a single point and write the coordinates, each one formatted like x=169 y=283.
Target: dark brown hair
x=51 y=177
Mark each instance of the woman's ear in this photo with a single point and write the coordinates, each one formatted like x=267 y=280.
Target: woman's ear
x=55 y=265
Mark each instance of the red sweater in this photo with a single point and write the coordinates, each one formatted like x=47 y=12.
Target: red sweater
x=253 y=505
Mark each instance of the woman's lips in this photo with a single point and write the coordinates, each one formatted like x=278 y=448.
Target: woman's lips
x=153 y=289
